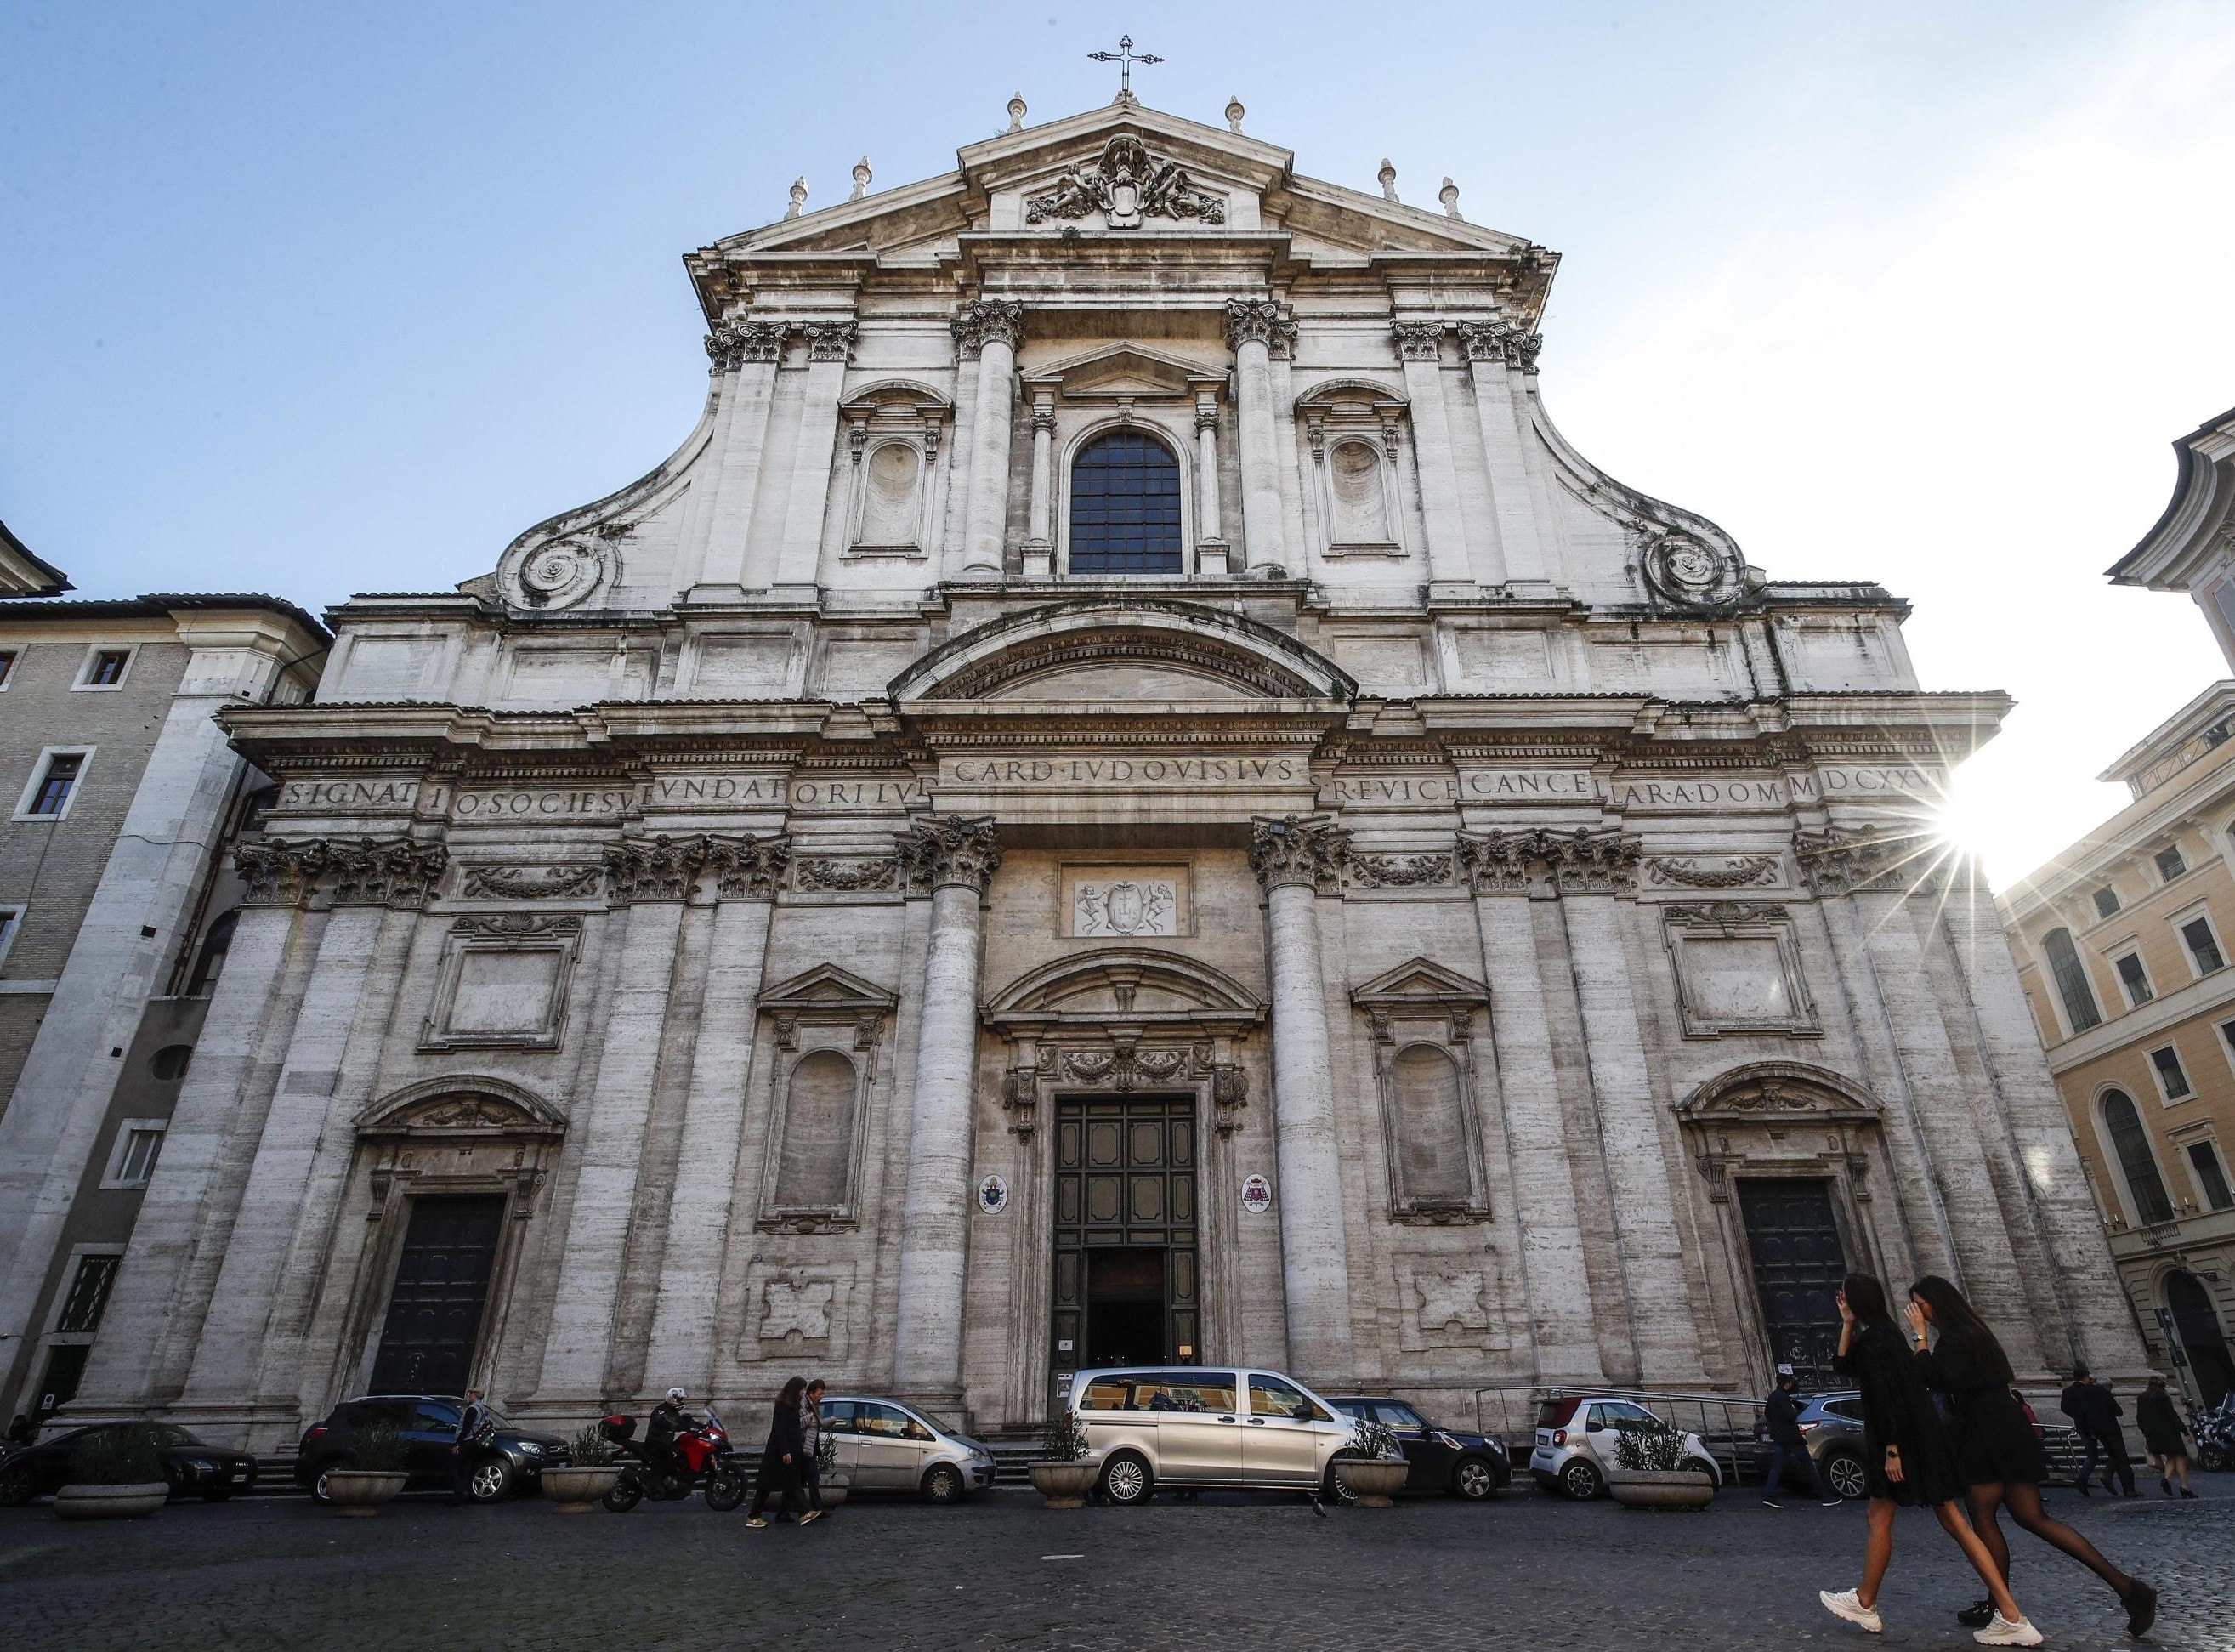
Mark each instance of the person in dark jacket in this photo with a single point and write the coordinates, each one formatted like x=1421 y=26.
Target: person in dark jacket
x=465 y=1448
x=1780 y=1414
x=2095 y=1410
x=1905 y=1460
x=2163 y=1437
x=780 y=1460
x=1996 y=1451
x=23 y=1431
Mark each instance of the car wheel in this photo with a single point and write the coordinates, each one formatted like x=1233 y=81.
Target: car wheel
x=1126 y=1480
x=1700 y=1466
x=725 y=1488
x=943 y=1484
x=1582 y=1480
x=491 y=1479
x=17 y=1486
x=1332 y=1489
x=1474 y=1480
x=318 y=1489
x=1843 y=1472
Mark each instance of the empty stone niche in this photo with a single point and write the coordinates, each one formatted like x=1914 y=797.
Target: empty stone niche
x=1738 y=970
x=504 y=983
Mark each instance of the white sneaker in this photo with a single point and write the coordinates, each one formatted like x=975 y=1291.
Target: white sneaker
x=1845 y=1604
x=2002 y=1632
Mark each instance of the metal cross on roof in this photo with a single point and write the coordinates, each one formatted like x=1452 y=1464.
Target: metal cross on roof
x=1124 y=57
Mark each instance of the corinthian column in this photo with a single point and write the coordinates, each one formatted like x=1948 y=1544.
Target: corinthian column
x=1039 y=540
x=1420 y=347
x=1290 y=856
x=1496 y=350
x=1254 y=328
x=957 y=858
x=989 y=329
x=1210 y=540
x=745 y=356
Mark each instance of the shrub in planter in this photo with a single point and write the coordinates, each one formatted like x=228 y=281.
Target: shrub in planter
x=1066 y=1469
x=375 y=1473
x=116 y=1473
x=830 y=1486
x=1650 y=1471
x=589 y=1473
x=1371 y=1470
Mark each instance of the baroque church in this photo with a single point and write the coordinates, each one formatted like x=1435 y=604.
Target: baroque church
x=1124 y=796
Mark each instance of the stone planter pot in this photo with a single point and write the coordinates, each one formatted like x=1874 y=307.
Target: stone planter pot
x=577 y=1489
x=110 y=1502
x=360 y=1491
x=1673 y=1489
x=832 y=1492
x=1064 y=1485
x=1375 y=1481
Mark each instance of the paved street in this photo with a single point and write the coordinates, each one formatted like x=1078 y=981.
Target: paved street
x=1229 y=1572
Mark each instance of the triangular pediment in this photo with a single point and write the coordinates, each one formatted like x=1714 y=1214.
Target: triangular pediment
x=827 y=988
x=1124 y=371
x=1421 y=983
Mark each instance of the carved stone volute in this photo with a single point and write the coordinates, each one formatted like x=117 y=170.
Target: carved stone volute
x=1419 y=341
x=1259 y=321
x=281 y=871
x=1587 y=860
x=391 y=872
x=654 y=868
x=747 y=868
x=732 y=344
x=951 y=849
x=1496 y=340
x=1296 y=849
x=988 y=321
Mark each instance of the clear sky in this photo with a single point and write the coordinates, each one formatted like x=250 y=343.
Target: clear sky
x=317 y=298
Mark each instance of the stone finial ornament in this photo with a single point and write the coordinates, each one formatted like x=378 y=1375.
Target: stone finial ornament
x=1233 y=113
x=1449 y=194
x=1388 y=177
x=798 y=197
x=1017 y=113
x=862 y=174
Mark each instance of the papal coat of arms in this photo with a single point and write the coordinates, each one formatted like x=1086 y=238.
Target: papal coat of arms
x=1126 y=907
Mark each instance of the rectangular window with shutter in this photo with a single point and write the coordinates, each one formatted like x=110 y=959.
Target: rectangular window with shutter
x=2211 y=1175
x=2135 y=980
x=2171 y=1079
x=2203 y=947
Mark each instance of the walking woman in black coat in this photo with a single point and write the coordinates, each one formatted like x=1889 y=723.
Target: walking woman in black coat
x=1996 y=1451
x=1905 y=1460
x=780 y=1460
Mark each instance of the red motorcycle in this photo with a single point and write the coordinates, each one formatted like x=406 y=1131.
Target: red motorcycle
x=699 y=1460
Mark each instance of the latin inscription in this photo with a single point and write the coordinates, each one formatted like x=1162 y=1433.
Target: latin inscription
x=556 y=802
x=857 y=794
x=346 y=795
x=1124 y=771
x=685 y=791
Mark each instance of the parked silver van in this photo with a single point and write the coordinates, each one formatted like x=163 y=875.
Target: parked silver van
x=882 y=1446
x=1249 y=1430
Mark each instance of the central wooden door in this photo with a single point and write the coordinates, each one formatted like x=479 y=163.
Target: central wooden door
x=1793 y=1239
x=1127 y=1289
x=442 y=1285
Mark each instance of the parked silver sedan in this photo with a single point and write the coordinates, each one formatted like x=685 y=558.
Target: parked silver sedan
x=883 y=1445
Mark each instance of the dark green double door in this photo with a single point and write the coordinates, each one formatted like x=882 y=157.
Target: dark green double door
x=1127 y=1291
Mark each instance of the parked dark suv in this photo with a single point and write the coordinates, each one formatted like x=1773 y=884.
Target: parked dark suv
x=210 y=1472
x=1457 y=1461
x=513 y=1461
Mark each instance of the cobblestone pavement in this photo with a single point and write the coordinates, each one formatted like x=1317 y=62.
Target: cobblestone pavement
x=1231 y=1572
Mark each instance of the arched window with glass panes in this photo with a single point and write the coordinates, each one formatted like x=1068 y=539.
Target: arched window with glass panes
x=1126 y=506
x=2080 y=1010
x=2131 y=1146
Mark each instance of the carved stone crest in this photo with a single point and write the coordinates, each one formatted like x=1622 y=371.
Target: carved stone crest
x=1126 y=185
x=1687 y=572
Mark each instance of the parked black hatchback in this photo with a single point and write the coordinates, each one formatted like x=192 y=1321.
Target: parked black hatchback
x=1450 y=1460
x=193 y=1469
x=513 y=1461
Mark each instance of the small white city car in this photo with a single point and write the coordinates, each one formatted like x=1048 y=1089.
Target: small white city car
x=1575 y=1436
x=882 y=1446
x=1187 y=1428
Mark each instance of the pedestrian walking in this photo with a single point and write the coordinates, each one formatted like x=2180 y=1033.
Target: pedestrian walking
x=810 y=1456
x=2163 y=1437
x=474 y=1421
x=23 y=1431
x=1997 y=1451
x=780 y=1460
x=2095 y=1410
x=1905 y=1461
x=1780 y=1413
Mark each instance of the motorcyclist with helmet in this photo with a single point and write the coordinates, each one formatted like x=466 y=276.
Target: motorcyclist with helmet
x=669 y=1417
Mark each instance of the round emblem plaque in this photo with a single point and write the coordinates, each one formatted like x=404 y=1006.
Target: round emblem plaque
x=1256 y=1194
x=992 y=1195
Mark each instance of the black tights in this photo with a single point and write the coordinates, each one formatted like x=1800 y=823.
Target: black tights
x=2024 y=1504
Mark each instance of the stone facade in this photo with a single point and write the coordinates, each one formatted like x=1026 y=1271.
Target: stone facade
x=815 y=913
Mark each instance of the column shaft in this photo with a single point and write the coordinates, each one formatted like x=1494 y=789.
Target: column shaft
x=1209 y=531
x=1261 y=479
x=723 y=525
x=1521 y=552
x=991 y=327
x=1419 y=345
x=829 y=346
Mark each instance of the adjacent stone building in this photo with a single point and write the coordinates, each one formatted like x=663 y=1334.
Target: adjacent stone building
x=119 y=784
x=1124 y=796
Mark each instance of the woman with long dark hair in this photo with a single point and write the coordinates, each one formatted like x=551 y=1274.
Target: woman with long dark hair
x=780 y=1460
x=1905 y=1460
x=1996 y=1451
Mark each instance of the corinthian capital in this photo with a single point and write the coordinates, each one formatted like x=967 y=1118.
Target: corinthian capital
x=389 y=872
x=1837 y=863
x=1260 y=321
x=1497 y=340
x=1296 y=849
x=829 y=341
x=988 y=321
x=732 y=344
x=951 y=850
x=747 y=868
x=1420 y=341
x=281 y=871
x=1587 y=860
x=654 y=868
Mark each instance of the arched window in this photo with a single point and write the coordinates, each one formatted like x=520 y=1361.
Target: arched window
x=1431 y=1134
x=2071 y=980
x=1126 y=506
x=2132 y=1145
x=210 y=964
x=814 y=1165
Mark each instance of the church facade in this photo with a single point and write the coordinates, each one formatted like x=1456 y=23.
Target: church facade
x=1124 y=796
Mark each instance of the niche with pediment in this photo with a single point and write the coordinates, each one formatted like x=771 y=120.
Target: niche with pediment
x=826 y=1031
x=1353 y=432
x=897 y=491
x=1421 y=1017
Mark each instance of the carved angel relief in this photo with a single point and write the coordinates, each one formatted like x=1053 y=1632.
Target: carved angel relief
x=1127 y=186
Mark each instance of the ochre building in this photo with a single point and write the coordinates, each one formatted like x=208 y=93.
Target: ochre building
x=1124 y=796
